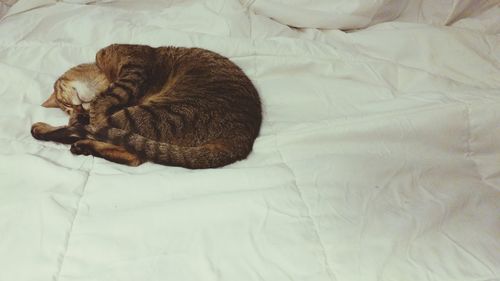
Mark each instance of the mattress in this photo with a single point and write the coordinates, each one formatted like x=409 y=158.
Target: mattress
x=378 y=158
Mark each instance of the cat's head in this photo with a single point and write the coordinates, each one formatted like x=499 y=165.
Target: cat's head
x=76 y=88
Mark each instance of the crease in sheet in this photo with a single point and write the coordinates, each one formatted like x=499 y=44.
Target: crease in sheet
x=62 y=257
x=469 y=154
x=466 y=251
x=328 y=268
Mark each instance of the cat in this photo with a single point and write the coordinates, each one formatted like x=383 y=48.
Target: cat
x=175 y=106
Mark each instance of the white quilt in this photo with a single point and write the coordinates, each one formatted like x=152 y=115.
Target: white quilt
x=378 y=159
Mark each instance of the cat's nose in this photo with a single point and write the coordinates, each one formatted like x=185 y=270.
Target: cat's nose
x=79 y=109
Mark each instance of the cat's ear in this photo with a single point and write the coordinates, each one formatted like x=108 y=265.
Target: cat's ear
x=51 y=101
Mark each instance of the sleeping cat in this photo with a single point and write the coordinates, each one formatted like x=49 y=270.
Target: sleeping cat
x=175 y=106
x=76 y=88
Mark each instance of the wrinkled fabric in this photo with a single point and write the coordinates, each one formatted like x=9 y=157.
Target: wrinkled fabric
x=377 y=159
x=5 y=6
x=328 y=14
x=355 y=14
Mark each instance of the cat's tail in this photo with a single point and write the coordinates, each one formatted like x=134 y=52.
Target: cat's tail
x=209 y=155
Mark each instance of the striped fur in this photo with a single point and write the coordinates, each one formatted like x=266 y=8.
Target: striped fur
x=174 y=106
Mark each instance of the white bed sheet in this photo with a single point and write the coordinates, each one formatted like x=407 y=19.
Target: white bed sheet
x=356 y=14
x=378 y=157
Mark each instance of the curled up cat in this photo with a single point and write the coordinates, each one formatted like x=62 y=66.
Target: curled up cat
x=174 y=106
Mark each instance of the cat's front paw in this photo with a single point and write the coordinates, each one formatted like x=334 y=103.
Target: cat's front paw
x=79 y=119
x=82 y=147
x=39 y=130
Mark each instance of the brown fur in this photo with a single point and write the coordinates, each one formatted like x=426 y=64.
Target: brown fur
x=184 y=107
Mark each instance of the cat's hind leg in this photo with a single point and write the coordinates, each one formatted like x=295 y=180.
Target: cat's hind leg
x=62 y=134
x=111 y=152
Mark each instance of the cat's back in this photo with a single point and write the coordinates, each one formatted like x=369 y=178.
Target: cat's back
x=199 y=71
x=212 y=83
x=202 y=64
x=187 y=58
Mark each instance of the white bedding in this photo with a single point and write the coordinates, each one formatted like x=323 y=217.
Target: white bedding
x=355 y=14
x=378 y=158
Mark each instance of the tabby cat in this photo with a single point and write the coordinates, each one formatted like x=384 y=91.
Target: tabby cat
x=174 y=106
